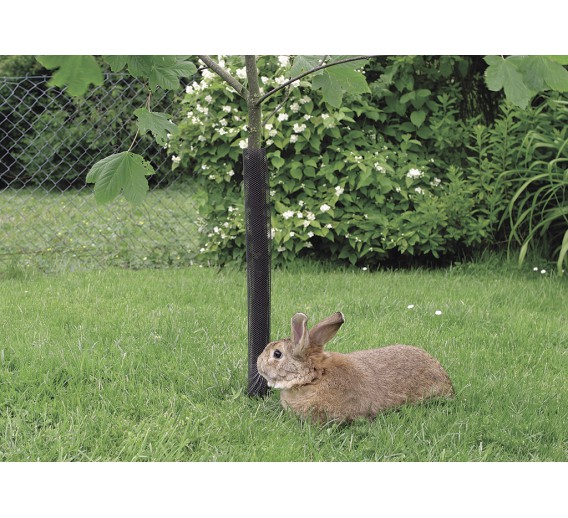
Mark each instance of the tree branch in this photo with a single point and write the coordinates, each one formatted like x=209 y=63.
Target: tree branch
x=304 y=74
x=224 y=74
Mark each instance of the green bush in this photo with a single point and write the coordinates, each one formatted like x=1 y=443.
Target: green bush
x=376 y=179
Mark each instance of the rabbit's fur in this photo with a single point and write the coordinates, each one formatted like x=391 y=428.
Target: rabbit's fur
x=328 y=386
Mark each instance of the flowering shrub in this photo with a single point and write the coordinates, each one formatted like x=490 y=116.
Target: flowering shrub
x=342 y=186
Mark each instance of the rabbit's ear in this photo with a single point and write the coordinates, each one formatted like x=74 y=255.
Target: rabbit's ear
x=325 y=330
x=300 y=335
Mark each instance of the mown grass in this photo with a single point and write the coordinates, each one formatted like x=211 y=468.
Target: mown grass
x=68 y=230
x=151 y=365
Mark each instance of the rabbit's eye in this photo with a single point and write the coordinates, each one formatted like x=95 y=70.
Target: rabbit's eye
x=277 y=354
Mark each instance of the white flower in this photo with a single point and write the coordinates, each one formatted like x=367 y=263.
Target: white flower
x=414 y=173
x=379 y=167
x=364 y=268
x=292 y=234
x=231 y=209
x=243 y=144
x=299 y=215
x=310 y=216
x=329 y=225
x=242 y=73
x=208 y=98
x=281 y=249
x=437 y=312
x=269 y=142
x=272 y=233
x=301 y=203
x=272 y=193
x=231 y=172
x=272 y=133
x=216 y=230
x=211 y=177
x=419 y=190
x=298 y=128
x=307 y=117
x=282 y=117
x=222 y=131
x=288 y=214
x=306 y=223
x=227 y=109
x=189 y=89
x=202 y=249
x=283 y=60
x=268 y=126
x=201 y=138
x=305 y=99
x=339 y=190
x=410 y=306
x=295 y=107
x=325 y=116
x=204 y=167
x=293 y=138
x=223 y=122
x=435 y=182
x=264 y=79
x=280 y=80
x=310 y=234
x=543 y=272
x=325 y=207
x=535 y=269
x=176 y=159
x=207 y=74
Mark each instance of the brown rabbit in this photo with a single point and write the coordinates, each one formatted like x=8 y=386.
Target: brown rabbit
x=334 y=386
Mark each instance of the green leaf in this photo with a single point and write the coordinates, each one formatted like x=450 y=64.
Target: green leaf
x=418 y=118
x=162 y=71
x=124 y=172
x=335 y=81
x=563 y=60
x=302 y=64
x=503 y=73
x=541 y=73
x=75 y=73
x=157 y=123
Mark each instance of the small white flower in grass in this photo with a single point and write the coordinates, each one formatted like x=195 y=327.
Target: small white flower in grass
x=268 y=127
x=310 y=216
x=288 y=214
x=227 y=109
x=310 y=234
x=269 y=142
x=325 y=116
x=211 y=177
x=329 y=225
x=231 y=172
x=282 y=117
x=298 y=128
x=419 y=190
x=305 y=99
x=379 y=167
x=295 y=107
x=292 y=234
x=202 y=249
x=299 y=215
x=437 y=312
x=410 y=306
x=364 y=268
x=301 y=203
x=216 y=230
x=176 y=159
x=222 y=131
x=543 y=272
x=293 y=139
x=339 y=190
x=231 y=209
x=307 y=117
x=306 y=223
x=208 y=98
x=223 y=122
x=204 y=167
x=201 y=138
x=273 y=133
x=272 y=193
x=325 y=207
x=535 y=269
x=243 y=144
x=189 y=89
x=435 y=182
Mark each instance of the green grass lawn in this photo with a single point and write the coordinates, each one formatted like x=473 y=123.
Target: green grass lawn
x=151 y=365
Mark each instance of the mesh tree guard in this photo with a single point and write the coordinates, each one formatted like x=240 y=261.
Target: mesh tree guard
x=257 y=217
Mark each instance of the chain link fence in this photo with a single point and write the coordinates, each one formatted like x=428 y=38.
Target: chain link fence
x=48 y=215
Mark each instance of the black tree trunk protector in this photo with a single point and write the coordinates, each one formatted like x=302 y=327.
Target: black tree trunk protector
x=257 y=217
